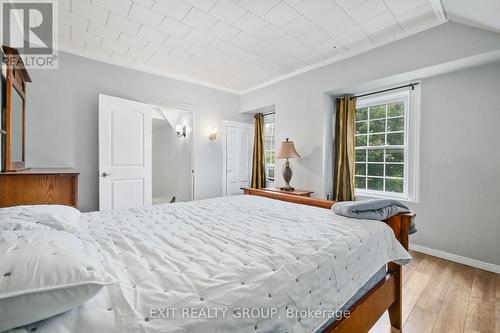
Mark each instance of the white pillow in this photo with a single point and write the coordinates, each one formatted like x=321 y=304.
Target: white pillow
x=39 y=217
x=44 y=273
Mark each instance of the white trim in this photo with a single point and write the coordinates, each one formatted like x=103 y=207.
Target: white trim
x=225 y=124
x=456 y=258
x=439 y=10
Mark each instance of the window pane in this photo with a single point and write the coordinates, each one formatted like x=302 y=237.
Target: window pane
x=394 y=185
x=375 y=169
x=394 y=155
x=395 y=139
x=362 y=114
x=396 y=124
x=377 y=139
x=377 y=126
x=360 y=169
x=376 y=155
x=376 y=184
x=360 y=155
x=377 y=112
x=361 y=127
x=360 y=182
x=360 y=140
x=395 y=109
x=394 y=170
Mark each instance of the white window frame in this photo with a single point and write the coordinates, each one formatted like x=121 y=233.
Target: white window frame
x=270 y=181
x=411 y=98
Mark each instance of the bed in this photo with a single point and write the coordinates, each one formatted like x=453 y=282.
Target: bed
x=246 y=263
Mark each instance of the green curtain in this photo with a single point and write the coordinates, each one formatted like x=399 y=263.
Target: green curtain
x=345 y=154
x=258 y=164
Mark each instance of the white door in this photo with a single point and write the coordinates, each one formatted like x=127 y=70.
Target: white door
x=124 y=153
x=237 y=157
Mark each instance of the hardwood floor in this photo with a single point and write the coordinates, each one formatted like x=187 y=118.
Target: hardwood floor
x=443 y=296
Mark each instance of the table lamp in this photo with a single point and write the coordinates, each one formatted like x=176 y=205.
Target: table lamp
x=287 y=150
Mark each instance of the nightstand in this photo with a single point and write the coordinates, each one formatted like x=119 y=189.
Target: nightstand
x=300 y=193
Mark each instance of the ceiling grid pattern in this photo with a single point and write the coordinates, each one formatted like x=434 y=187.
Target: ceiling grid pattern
x=234 y=44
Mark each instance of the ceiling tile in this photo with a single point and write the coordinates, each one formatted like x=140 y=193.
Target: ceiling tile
x=176 y=43
x=259 y=7
x=73 y=46
x=63 y=4
x=172 y=8
x=281 y=14
x=378 y=23
x=331 y=18
x=399 y=7
x=123 y=24
x=219 y=45
x=227 y=11
x=197 y=50
x=104 y=31
x=132 y=41
x=145 y=3
x=199 y=20
x=145 y=16
x=157 y=49
x=416 y=17
x=312 y=9
x=120 y=7
x=198 y=37
x=204 y=5
x=73 y=20
x=174 y=27
x=87 y=10
x=298 y=26
x=355 y=41
x=87 y=37
x=326 y=47
x=345 y=29
x=121 y=46
x=269 y=34
x=152 y=35
x=96 y=51
x=140 y=54
x=368 y=10
x=314 y=36
x=348 y=4
x=123 y=59
x=250 y=23
x=292 y=46
x=293 y=2
x=223 y=31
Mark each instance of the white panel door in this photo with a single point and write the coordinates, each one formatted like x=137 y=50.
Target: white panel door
x=124 y=153
x=238 y=157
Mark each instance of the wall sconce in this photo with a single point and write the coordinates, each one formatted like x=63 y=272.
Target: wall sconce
x=213 y=134
x=181 y=131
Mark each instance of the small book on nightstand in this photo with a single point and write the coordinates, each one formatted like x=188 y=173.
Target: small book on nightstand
x=300 y=193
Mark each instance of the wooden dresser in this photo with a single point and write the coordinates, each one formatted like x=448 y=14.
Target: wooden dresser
x=39 y=186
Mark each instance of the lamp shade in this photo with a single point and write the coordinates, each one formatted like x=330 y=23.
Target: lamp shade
x=287 y=150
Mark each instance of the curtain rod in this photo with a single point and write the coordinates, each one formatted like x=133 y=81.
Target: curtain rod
x=412 y=85
x=268 y=113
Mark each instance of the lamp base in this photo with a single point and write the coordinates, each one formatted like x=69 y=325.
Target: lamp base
x=287 y=189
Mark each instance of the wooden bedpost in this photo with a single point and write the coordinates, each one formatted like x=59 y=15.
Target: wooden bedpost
x=400 y=224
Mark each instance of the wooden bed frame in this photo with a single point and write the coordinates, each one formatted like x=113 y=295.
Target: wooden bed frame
x=386 y=295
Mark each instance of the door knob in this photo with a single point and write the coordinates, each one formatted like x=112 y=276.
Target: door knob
x=106 y=174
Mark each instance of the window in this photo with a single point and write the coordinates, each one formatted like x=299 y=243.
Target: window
x=385 y=151
x=269 y=146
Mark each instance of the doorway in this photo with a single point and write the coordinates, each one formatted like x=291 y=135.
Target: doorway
x=172 y=155
x=237 y=156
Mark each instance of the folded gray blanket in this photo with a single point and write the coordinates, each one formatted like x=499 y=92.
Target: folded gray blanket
x=374 y=209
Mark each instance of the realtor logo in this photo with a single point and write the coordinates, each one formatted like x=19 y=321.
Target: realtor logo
x=29 y=27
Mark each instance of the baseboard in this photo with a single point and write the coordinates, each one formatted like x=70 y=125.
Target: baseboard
x=456 y=258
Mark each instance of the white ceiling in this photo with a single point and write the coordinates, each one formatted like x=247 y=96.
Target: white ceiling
x=235 y=44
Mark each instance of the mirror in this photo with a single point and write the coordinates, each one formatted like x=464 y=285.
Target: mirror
x=16 y=127
x=14 y=79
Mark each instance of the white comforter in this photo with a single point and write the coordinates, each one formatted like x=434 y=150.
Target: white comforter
x=178 y=264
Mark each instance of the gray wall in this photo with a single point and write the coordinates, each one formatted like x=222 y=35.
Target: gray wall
x=459 y=161
x=62 y=126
